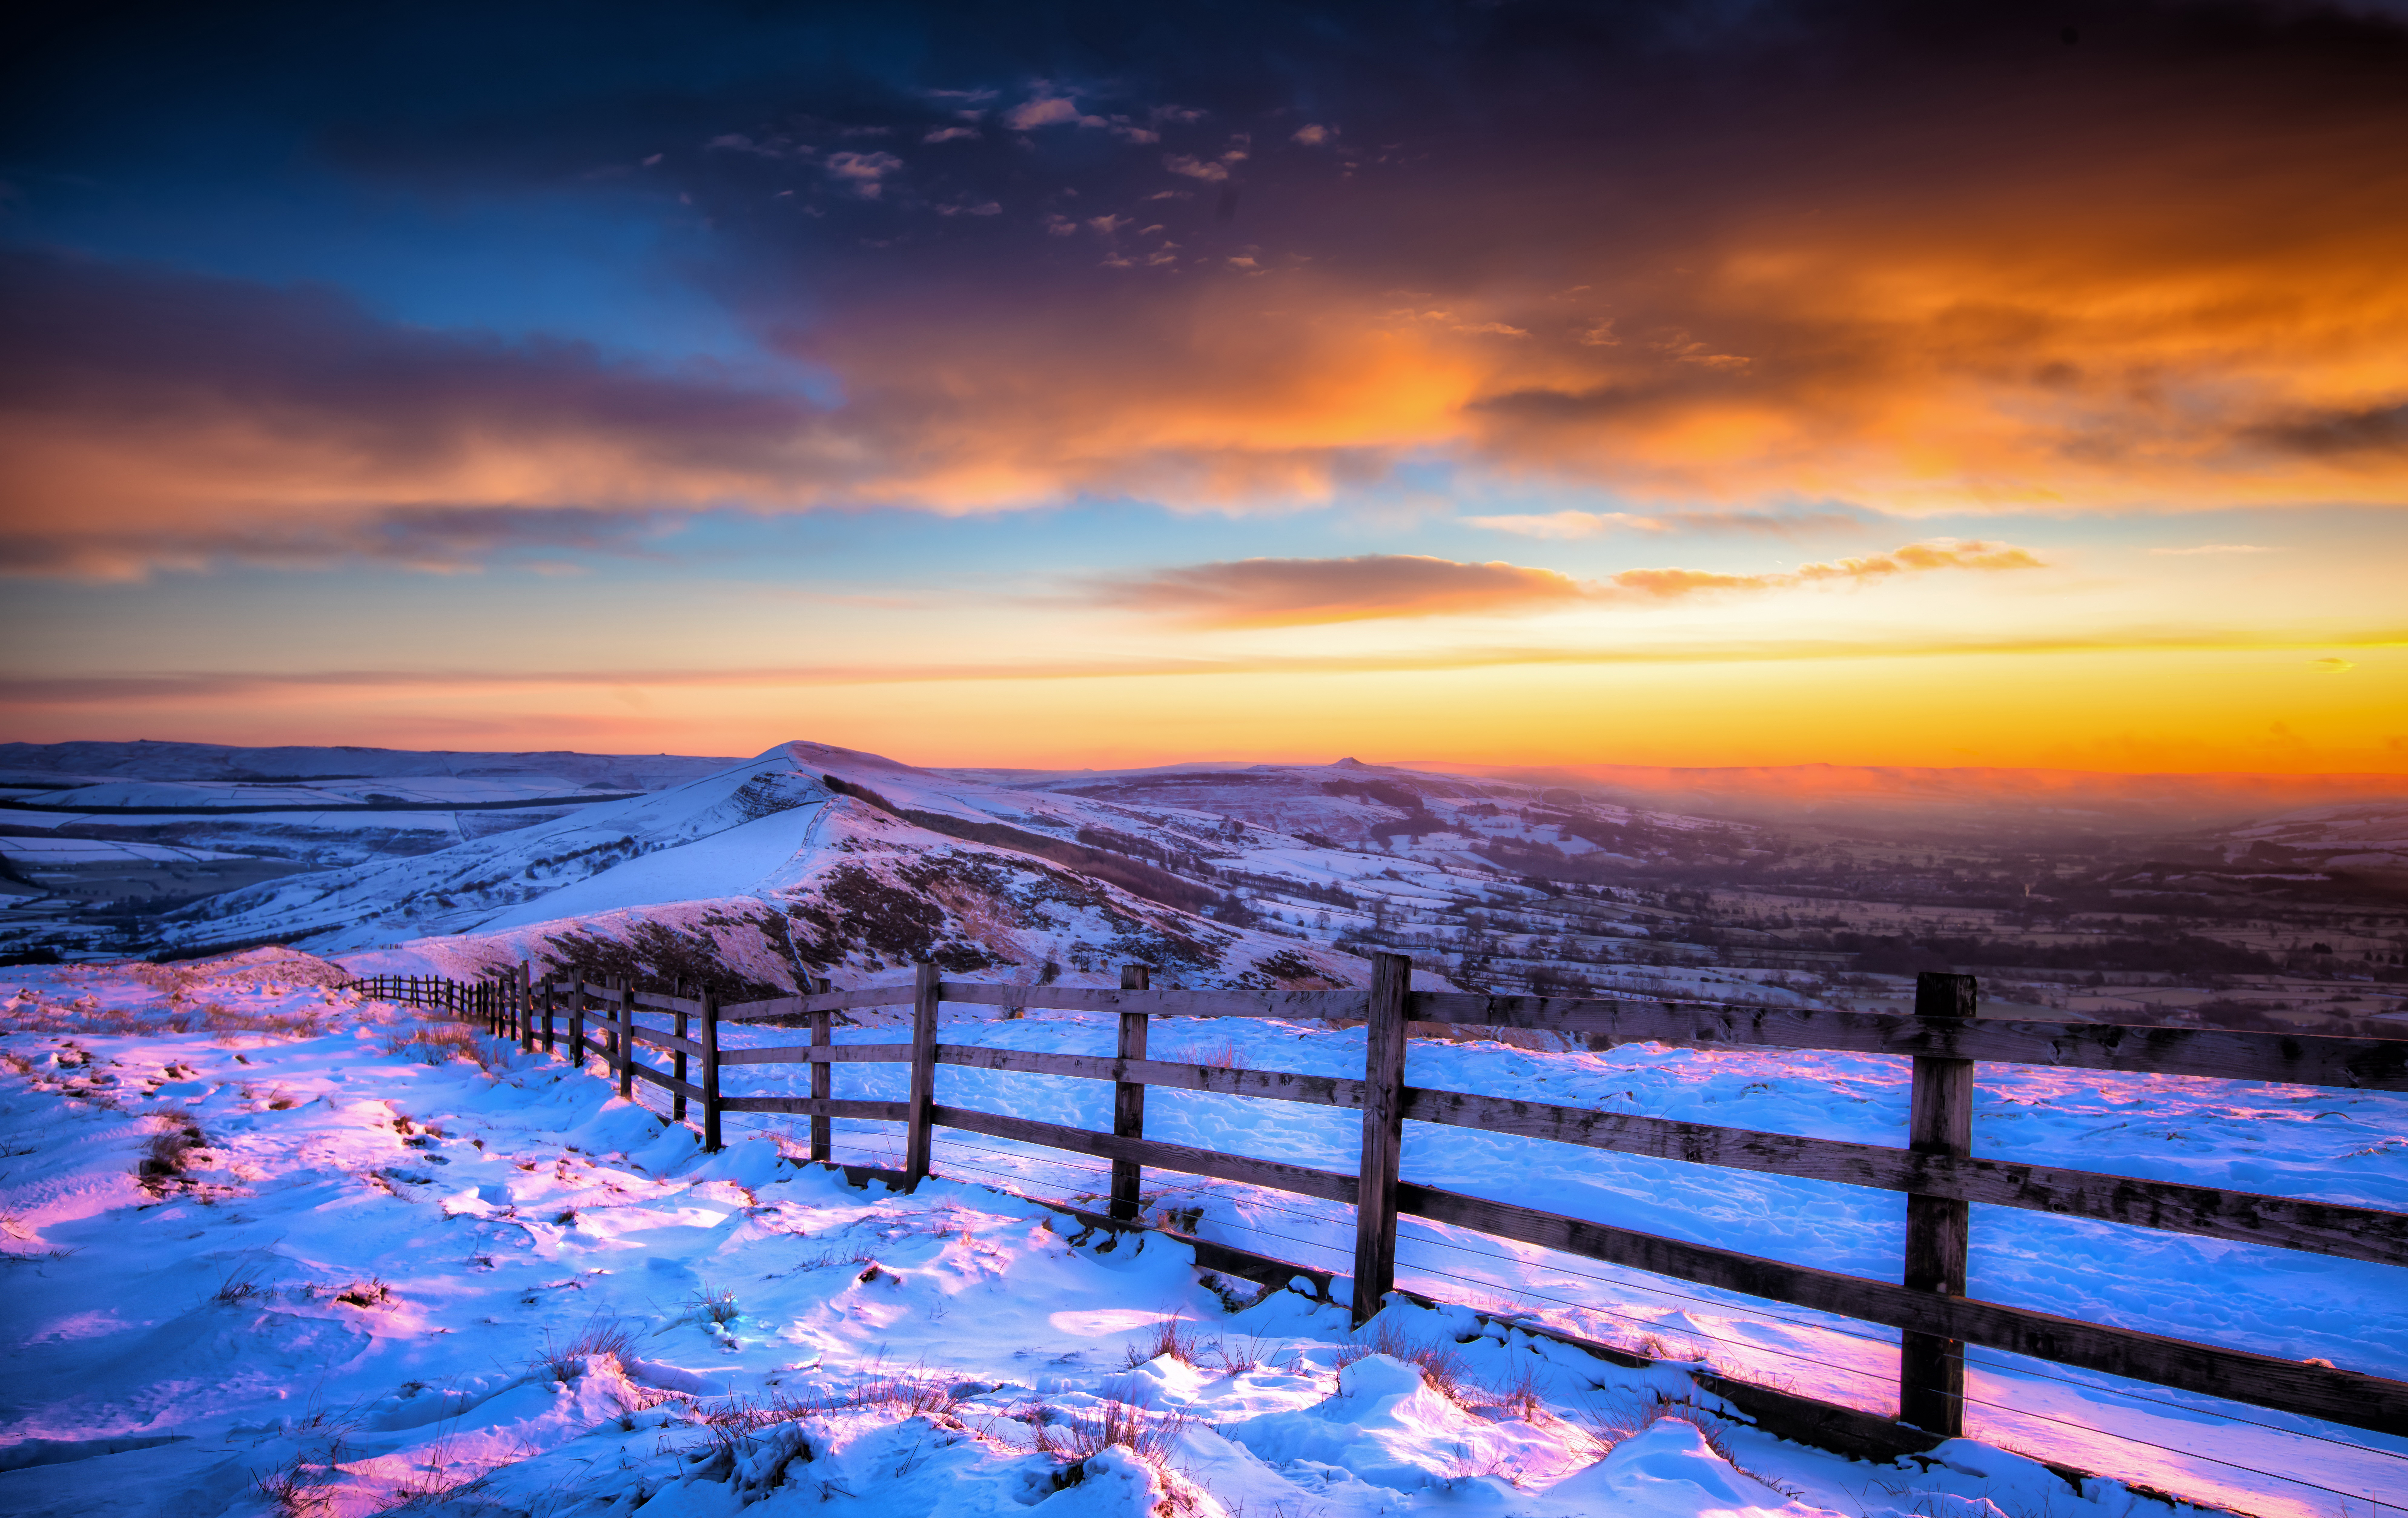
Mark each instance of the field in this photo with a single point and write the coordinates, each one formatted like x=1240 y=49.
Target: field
x=279 y=1247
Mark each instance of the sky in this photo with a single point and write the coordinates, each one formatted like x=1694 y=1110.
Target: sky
x=1747 y=382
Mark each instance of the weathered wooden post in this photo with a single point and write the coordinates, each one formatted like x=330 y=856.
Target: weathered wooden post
x=822 y=1073
x=1128 y=1099
x=576 y=1021
x=622 y=1038
x=550 y=1003
x=524 y=990
x=1931 y=1370
x=710 y=1141
x=919 y=1138
x=677 y=1061
x=1384 y=1135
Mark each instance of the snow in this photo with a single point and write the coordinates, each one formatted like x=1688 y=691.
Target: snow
x=389 y=1266
x=38 y=851
x=727 y=864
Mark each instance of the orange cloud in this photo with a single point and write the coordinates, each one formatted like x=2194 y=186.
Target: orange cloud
x=1285 y=592
x=2159 y=276
x=1289 y=593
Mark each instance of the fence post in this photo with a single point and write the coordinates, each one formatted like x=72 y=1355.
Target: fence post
x=920 y=1136
x=626 y=1038
x=678 y=1060
x=711 y=1142
x=551 y=1001
x=1128 y=1099
x=1384 y=1135
x=524 y=989
x=822 y=1073
x=576 y=1021
x=1931 y=1370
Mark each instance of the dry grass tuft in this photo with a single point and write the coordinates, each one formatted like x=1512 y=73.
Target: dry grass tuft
x=602 y=1338
x=717 y=1304
x=169 y=1150
x=1120 y=1422
x=240 y=1284
x=1166 y=1339
x=911 y=1392
x=437 y=1043
x=1240 y=1355
x=1442 y=1368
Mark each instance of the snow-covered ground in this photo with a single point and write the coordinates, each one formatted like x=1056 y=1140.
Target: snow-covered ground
x=276 y=1247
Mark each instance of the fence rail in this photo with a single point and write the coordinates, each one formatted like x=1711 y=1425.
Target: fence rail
x=1937 y=1170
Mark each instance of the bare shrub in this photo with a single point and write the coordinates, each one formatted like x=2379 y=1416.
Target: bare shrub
x=365 y=1294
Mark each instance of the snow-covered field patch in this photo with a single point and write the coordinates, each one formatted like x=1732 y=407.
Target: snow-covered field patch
x=275 y=1248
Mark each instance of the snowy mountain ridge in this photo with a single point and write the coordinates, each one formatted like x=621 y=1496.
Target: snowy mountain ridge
x=813 y=860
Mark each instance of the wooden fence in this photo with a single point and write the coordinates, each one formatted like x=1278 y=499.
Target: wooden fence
x=1937 y=1170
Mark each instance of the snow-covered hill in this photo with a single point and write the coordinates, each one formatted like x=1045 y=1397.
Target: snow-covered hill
x=812 y=860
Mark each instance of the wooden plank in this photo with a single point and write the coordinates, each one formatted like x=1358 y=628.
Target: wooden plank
x=1275 y=1174
x=1384 y=1135
x=1302 y=1006
x=894 y=1053
x=1938 y=1229
x=924 y=999
x=1128 y=1100
x=653 y=999
x=1278 y=1086
x=2344 y=1396
x=2212 y=1053
x=775 y=1008
x=821 y=1107
x=2357 y=1233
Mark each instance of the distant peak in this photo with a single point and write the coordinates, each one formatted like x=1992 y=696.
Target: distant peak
x=1349 y=764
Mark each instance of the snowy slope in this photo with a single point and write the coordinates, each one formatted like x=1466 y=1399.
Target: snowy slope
x=379 y=1266
x=807 y=860
x=1443 y=819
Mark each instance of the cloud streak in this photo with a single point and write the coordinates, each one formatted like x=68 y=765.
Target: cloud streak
x=1291 y=592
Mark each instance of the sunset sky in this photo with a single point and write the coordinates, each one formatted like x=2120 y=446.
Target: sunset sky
x=1744 y=384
